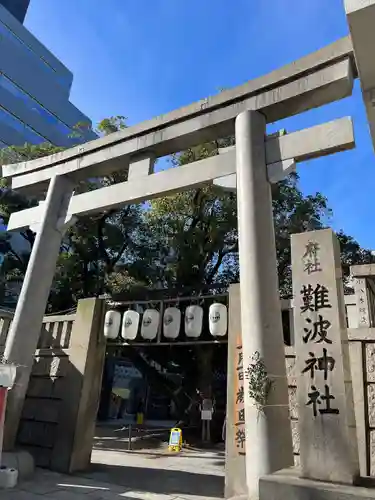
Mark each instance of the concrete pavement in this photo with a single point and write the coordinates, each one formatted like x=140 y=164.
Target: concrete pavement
x=118 y=474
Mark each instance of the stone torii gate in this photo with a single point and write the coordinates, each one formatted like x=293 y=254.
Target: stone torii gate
x=256 y=160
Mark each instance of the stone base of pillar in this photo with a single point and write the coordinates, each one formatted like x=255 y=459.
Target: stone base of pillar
x=287 y=484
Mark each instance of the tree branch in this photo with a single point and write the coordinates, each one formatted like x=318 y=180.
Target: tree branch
x=124 y=245
x=29 y=236
x=100 y=235
x=197 y=210
x=222 y=253
x=110 y=262
x=18 y=258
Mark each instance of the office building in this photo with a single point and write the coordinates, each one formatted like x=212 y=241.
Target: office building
x=17 y=8
x=34 y=87
x=34 y=102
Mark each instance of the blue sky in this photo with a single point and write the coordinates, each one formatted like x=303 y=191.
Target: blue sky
x=141 y=58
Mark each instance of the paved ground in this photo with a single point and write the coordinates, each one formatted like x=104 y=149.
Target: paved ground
x=116 y=473
x=52 y=486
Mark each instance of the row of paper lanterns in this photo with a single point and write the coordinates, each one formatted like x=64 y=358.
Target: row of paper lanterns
x=127 y=325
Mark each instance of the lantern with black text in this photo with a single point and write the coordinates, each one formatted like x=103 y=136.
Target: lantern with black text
x=112 y=322
x=171 y=322
x=193 y=321
x=130 y=323
x=150 y=324
x=218 y=319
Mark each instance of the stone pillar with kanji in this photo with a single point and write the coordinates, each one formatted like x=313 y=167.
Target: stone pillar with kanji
x=328 y=443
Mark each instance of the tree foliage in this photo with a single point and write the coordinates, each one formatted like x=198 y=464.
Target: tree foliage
x=92 y=249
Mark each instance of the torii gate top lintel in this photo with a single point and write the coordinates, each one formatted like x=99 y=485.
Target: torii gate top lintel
x=209 y=118
x=314 y=80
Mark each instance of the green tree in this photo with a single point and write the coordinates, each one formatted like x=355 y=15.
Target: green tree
x=96 y=252
x=16 y=258
x=294 y=213
x=196 y=231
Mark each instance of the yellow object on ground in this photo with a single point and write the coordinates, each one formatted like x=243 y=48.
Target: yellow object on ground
x=175 y=439
x=139 y=418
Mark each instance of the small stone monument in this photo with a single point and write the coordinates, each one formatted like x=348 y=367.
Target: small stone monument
x=328 y=443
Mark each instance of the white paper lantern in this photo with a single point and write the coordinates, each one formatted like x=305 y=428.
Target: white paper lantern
x=130 y=322
x=218 y=319
x=112 y=322
x=193 y=321
x=150 y=324
x=171 y=322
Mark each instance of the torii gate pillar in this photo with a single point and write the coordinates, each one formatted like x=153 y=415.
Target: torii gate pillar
x=25 y=329
x=268 y=434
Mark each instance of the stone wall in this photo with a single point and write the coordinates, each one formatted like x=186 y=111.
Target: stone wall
x=58 y=420
x=39 y=424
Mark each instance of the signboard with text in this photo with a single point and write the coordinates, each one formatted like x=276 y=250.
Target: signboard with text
x=325 y=402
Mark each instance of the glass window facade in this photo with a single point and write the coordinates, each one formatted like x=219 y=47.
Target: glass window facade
x=18 y=8
x=34 y=106
x=22 y=85
x=28 y=133
x=7 y=33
